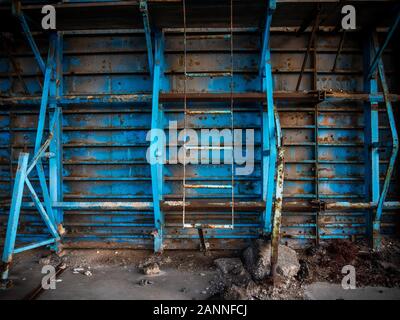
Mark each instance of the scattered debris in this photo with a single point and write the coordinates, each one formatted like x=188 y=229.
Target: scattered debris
x=227 y=265
x=88 y=273
x=78 y=270
x=151 y=269
x=145 y=282
x=81 y=270
x=373 y=268
x=45 y=260
x=251 y=279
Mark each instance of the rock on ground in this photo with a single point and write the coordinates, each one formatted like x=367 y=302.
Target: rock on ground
x=288 y=263
x=151 y=269
x=257 y=260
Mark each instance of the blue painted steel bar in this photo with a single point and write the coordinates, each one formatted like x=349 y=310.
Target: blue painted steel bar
x=55 y=162
x=16 y=7
x=378 y=54
x=393 y=155
x=34 y=245
x=269 y=140
x=147 y=30
x=156 y=123
x=46 y=218
x=15 y=209
x=371 y=134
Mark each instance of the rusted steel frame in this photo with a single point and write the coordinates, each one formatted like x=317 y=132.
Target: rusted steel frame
x=302 y=206
x=275 y=239
x=213 y=97
x=104 y=205
x=340 y=47
x=394 y=152
x=207 y=226
x=169 y=205
x=310 y=42
x=200 y=205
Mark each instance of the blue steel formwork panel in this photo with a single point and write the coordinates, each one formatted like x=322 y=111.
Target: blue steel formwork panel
x=104 y=146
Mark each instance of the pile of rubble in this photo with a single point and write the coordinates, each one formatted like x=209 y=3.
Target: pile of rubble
x=248 y=277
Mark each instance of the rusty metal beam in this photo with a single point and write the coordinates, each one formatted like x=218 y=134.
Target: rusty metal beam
x=206 y=205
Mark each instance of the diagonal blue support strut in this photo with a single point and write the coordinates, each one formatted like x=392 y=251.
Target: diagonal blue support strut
x=16 y=8
x=378 y=54
x=24 y=169
x=147 y=30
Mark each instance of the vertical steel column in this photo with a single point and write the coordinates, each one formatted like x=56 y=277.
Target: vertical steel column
x=393 y=155
x=15 y=208
x=371 y=133
x=157 y=156
x=269 y=141
x=55 y=162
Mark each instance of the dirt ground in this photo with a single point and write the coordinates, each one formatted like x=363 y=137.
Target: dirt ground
x=194 y=274
x=372 y=268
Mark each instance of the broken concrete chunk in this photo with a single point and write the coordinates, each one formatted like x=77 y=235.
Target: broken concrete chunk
x=288 y=263
x=257 y=260
x=229 y=265
x=151 y=269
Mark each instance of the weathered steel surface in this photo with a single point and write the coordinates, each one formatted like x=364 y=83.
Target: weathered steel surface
x=106 y=113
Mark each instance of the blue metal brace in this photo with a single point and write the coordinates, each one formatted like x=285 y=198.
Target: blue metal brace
x=24 y=168
x=156 y=156
x=378 y=54
x=16 y=9
x=393 y=155
x=147 y=30
x=269 y=126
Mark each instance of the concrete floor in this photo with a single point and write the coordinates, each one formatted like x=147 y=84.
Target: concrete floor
x=189 y=278
x=110 y=282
